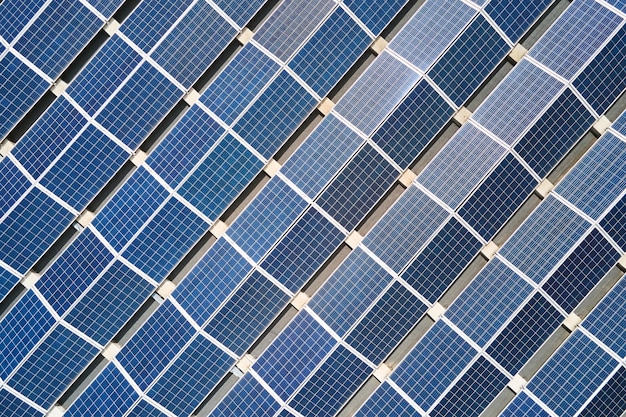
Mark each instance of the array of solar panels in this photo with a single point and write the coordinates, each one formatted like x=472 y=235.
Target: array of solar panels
x=404 y=264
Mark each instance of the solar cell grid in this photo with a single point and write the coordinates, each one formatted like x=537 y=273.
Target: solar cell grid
x=611 y=400
x=13 y=184
x=608 y=320
x=240 y=11
x=10 y=405
x=144 y=409
x=515 y=17
x=15 y=15
x=524 y=406
x=7 y=282
x=385 y=401
x=375 y=15
x=247 y=398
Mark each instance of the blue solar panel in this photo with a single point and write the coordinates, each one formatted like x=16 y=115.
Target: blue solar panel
x=443 y=259
x=85 y=167
x=144 y=409
x=106 y=71
x=498 y=197
x=611 y=400
x=15 y=14
x=155 y=344
x=30 y=229
x=331 y=385
x=330 y=52
x=524 y=406
x=221 y=177
x=615 y=223
x=52 y=366
x=525 y=333
x=294 y=355
x=387 y=323
x=275 y=114
x=321 y=155
x=247 y=313
x=620 y=4
x=20 y=330
x=247 y=398
x=556 y=131
x=386 y=401
x=240 y=11
x=11 y=406
x=534 y=248
x=13 y=184
x=375 y=15
x=140 y=104
x=7 y=282
x=166 y=239
x=191 y=376
x=488 y=301
x=303 y=250
x=433 y=364
x=515 y=17
x=237 y=84
x=194 y=43
x=461 y=70
x=361 y=183
x=413 y=124
x=106 y=7
x=406 y=226
x=433 y=27
x=58 y=35
x=620 y=124
x=73 y=271
x=351 y=289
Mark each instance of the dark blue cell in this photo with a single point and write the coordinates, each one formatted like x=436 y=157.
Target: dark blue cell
x=375 y=14
x=11 y=406
x=610 y=400
x=240 y=11
x=144 y=409
x=615 y=223
x=7 y=282
x=15 y=14
x=515 y=17
x=387 y=402
x=13 y=184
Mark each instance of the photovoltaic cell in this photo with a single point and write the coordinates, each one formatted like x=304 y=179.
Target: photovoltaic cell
x=608 y=320
x=13 y=184
x=15 y=14
x=240 y=11
x=247 y=398
x=620 y=4
x=524 y=406
x=375 y=15
x=615 y=223
x=386 y=401
x=144 y=409
x=106 y=7
x=11 y=406
x=515 y=17
x=611 y=400
x=7 y=282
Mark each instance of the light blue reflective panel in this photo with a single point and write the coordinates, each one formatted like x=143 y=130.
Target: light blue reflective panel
x=330 y=52
x=386 y=401
x=221 y=177
x=575 y=37
x=194 y=43
x=191 y=376
x=524 y=406
x=139 y=106
x=332 y=384
x=22 y=327
x=555 y=133
x=473 y=392
x=150 y=20
x=110 y=394
x=303 y=250
x=433 y=364
x=58 y=35
x=321 y=155
x=15 y=14
x=291 y=24
x=515 y=17
x=13 y=184
x=599 y=178
x=376 y=92
x=387 y=323
x=85 y=168
x=211 y=281
x=406 y=226
x=275 y=114
x=30 y=229
x=237 y=84
x=104 y=73
x=608 y=320
x=166 y=238
x=106 y=7
x=247 y=313
x=470 y=59
x=7 y=282
x=294 y=354
x=144 y=409
x=11 y=406
x=349 y=291
x=48 y=136
x=267 y=217
x=247 y=398
x=461 y=164
x=73 y=271
x=620 y=124
x=544 y=238
x=571 y=375
x=375 y=15
x=413 y=124
x=614 y=222
x=426 y=36
x=581 y=271
x=52 y=366
x=358 y=187
x=442 y=260
x=525 y=333
x=517 y=101
x=610 y=400
x=499 y=196
x=179 y=152
x=109 y=303
x=488 y=301
x=20 y=88
x=240 y=11
x=155 y=344
x=129 y=208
